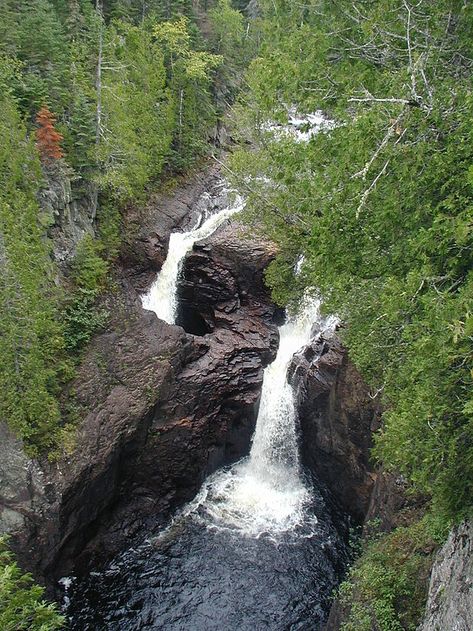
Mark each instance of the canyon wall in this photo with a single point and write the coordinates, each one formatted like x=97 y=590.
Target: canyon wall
x=158 y=408
x=338 y=417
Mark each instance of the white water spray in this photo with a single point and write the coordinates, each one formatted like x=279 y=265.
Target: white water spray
x=266 y=493
x=300 y=127
x=162 y=295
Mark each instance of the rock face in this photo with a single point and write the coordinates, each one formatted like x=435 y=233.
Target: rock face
x=160 y=409
x=147 y=229
x=20 y=482
x=223 y=277
x=337 y=418
x=70 y=217
x=450 y=601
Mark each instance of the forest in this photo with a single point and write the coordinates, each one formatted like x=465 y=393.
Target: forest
x=111 y=98
x=375 y=211
x=381 y=208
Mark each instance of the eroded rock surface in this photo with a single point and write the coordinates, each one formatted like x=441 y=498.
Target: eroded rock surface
x=450 y=601
x=147 y=229
x=160 y=409
x=223 y=276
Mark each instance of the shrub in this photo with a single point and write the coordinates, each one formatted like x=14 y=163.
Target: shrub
x=22 y=607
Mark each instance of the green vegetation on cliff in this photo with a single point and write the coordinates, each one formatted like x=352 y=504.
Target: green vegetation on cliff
x=380 y=204
x=31 y=340
x=381 y=208
x=22 y=607
x=109 y=96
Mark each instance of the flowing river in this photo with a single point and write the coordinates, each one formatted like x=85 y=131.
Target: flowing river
x=258 y=548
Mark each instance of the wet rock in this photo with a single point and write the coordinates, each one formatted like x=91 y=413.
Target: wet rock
x=223 y=275
x=147 y=229
x=159 y=410
x=337 y=418
x=450 y=600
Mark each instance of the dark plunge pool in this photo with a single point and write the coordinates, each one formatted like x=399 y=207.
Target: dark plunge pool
x=199 y=575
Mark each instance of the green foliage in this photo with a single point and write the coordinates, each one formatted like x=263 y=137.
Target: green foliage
x=22 y=607
x=89 y=270
x=189 y=77
x=39 y=41
x=137 y=111
x=381 y=207
x=82 y=318
x=31 y=340
x=234 y=39
x=387 y=586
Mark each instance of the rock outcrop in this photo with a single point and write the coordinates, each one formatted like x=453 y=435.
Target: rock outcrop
x=147 y=229
x=337 y=417
x=68 y=213
x=450 y=600
x=159 y=410
x=223 y=277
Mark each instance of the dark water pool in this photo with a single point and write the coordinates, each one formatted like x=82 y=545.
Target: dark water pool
x=197 y=577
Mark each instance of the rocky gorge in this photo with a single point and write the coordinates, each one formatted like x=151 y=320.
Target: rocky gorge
x=163 y=406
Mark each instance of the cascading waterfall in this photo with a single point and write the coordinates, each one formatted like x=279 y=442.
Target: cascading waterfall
x=162 y=295
x=258 y=547
x=266 y=492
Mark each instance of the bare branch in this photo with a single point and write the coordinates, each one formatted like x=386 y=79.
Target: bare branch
x=366 y=194
x=372 y=99
x=380 y=148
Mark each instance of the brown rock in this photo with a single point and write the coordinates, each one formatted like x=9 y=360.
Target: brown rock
x=337 y=419
x=160 y=409
x=147 y=229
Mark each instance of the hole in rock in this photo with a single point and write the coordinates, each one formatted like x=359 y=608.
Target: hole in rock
x=191 y=320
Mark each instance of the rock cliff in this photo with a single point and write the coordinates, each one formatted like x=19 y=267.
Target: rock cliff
x=450 y=601
x=337 y=417
x=147 y=228
x=159 y=409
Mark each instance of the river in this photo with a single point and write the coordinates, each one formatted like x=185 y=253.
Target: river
x=258 y=547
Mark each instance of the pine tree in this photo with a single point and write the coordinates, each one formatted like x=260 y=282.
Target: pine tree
x=22 y=607
x=41 y=44
x=31 y=340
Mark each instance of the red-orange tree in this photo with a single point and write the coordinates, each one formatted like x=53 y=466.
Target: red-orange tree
x=48 y=139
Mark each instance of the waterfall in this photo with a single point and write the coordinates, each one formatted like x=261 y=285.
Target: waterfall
x=162 y=295
x=266 y=492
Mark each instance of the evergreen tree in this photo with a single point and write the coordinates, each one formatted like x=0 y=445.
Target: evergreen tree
x=41 y=45
x=30 y=336
x=189 y=77
x=22 y=607
x=137 y=112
